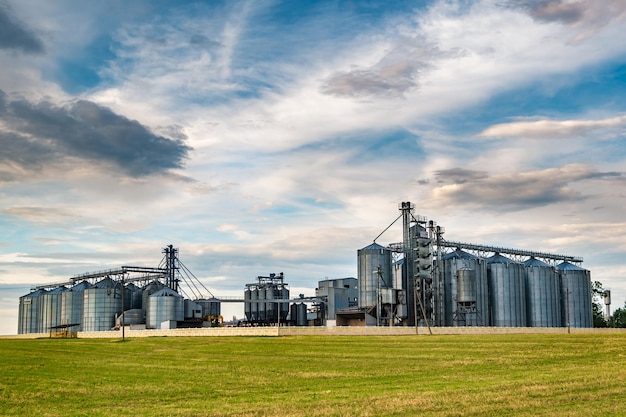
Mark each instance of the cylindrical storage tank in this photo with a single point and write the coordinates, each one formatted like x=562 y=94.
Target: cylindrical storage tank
x=301 y=315
x=446 y=307
x=29 y=316
x=254 y=305
x=51 y=308
x=543 y=294
x=466 y=285
x=575 y=295
x=284 y=307
x=146 y=292
x=293 y=313
x=164 y=305
x=507 y=289
x=132 y=316
x=210 y=306
x=270 y=307
x=261 y=316
x=247 y=308
x=72 y=305
x=193 y=309
x=102 y=303
x=373 y=261
x=134 y=299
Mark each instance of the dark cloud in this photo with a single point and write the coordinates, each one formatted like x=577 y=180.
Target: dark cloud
x=14 y=35
x=396 y=73
x=37 y=133
x=515 y=191
x=459 y=175
x=555 y=10
x=204 y=42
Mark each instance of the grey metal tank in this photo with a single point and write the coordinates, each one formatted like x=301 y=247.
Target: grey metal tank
x=370 y=258
x=575 y=295
x=102 y=303
x=445 y=306
x=29 y=313
x=261 y=311
x=543 y=294
x=164 y=305
x=135 y=298
x=271 y=311
x=301 y=315
x=284 y=307
x=210 y=306
x=72 y=302
x=51 y=308
x=507 y=289
x=147 y=291
x=254 y=305
x=247 y=307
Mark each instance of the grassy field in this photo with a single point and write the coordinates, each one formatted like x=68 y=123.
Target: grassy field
x=495 y=375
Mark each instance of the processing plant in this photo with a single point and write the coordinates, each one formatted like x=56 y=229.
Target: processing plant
x=425 y=280
x=430 y=281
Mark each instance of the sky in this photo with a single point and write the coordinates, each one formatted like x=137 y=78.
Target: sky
x=280 y=136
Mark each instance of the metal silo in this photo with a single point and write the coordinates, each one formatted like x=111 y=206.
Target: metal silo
x=374 y=263
x=254 y=305
x=147 y=291
x=72 y=302
x=135 y=297
x=102 y=303
x=261 y=311
x=29 y=313
x=543 y=295
x=446 y=307
x=210 y=306
x=575 y=295
x=507 y=290
x=164 y=305
x=51 y=307
x=247 y=307
x=284 y=307
x=270 y=306
x=301 y=315
x=466 y=285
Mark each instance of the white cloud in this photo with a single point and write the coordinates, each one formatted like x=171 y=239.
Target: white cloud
x=611 y=127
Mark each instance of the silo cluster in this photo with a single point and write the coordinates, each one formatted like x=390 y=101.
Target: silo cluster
x=513 y=294
x=470 y=290
x=97 y=307
x=262 y=303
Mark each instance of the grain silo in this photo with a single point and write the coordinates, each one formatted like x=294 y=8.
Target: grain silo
x=543 y=294
x=507 y=292
x=576 y=295
x=374 y=263
x=72 y=303
x=447 y=309
x=51 y=308
x=29 y=314
x=163 y=306
x=102 y=303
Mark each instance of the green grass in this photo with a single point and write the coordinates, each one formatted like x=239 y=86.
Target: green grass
x=495 y=375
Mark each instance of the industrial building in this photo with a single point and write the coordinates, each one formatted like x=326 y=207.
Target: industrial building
x=104 y=300
x=430 y=281
x=424 y=280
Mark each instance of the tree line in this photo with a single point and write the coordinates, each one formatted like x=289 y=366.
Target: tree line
x=617 y=319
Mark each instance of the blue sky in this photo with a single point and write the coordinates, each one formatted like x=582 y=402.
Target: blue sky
x=268 y=136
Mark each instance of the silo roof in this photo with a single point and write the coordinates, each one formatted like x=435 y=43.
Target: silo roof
x=566 y=266
x=36 y=293
x=534 y=262
x=58 y=290
x=106 y=283
x=82 y=286
x=499 y=259
x=459 y=254
x=132 y=287
x=166 y=292
x=374 y=246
